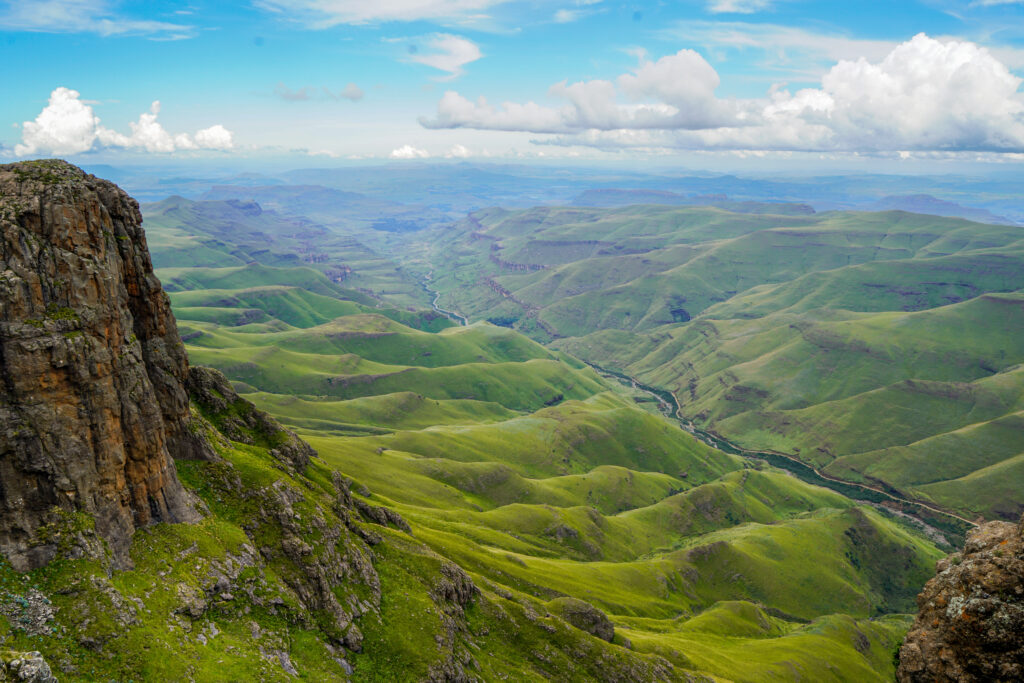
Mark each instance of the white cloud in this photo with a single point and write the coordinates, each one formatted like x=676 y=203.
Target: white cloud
x=924 y=95
x=738 y=6
x=327 y=13
x=408 y=152
x=458 y=152
x=352 y=92
x=67 y=125
x=83 y=16
x=681 y=86
x=451 y=53
x=215 y=137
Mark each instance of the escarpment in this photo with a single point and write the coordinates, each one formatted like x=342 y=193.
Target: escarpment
x=93 y=405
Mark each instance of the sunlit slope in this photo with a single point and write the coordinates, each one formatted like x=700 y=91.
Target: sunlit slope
x=296 y=306
x=547 y=483
x=863 y=395
x=580 y=270
x=595 y=499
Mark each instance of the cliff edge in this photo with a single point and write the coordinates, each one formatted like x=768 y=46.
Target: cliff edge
x=93 y=405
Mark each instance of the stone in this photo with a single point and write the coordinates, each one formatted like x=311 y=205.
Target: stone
x=970 y=623
x=93 y=408
x=239 y=420
x=25 y=667
x=584 y=616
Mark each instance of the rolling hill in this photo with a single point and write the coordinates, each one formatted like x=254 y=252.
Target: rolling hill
x=856 y=342
x=557 y=488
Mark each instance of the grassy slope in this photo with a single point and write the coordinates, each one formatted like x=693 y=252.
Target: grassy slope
x=841 y=338
x=590 y=497
x=203 y=604
x=189 y=234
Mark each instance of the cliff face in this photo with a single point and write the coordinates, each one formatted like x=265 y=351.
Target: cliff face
x=93 y=406
x=971 y=621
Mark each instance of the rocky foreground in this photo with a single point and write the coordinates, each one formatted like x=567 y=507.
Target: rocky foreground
x=971 y=621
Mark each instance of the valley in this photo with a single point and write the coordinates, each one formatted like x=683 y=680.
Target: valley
x=854 y=342
x=548 y=480
x=675 y=442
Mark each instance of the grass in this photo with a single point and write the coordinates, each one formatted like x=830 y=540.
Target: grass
x=543 y=481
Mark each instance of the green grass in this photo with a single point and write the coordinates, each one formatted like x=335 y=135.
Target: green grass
x=544 y=482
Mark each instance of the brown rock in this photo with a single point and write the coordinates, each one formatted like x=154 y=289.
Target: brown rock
x=93 y=405
x=970 y=624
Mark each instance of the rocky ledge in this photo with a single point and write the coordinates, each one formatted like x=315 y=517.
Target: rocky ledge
x=970 y=626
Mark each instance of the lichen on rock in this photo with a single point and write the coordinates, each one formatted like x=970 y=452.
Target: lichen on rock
x=970 y=626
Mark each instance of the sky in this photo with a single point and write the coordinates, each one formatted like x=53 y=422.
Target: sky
x=935 y=81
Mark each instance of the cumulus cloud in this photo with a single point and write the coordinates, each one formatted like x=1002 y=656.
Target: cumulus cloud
x=924 y=95
x=677 y=91
x=457 y=152
x=327 y=13
x=67 y=125
x=84 y=16
x=450 y=53
x=408 y=152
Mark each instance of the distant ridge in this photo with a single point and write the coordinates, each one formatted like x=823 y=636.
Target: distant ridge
x=927 y=204
x=614 y=198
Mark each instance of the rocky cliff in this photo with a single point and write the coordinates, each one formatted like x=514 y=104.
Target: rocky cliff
x=971 y=621
x=93 y=406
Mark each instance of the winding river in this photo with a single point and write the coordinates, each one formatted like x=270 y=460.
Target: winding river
x=931 y=517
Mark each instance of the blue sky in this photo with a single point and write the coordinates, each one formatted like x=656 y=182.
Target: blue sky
x=340 y=79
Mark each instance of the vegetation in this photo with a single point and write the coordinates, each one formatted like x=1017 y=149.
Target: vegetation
x=855 y=342
x=546 y=482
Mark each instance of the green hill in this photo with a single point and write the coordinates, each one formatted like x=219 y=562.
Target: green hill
x=846 y=339
x=550 y=484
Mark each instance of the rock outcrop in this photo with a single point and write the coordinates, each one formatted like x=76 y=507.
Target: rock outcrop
x=239 y=420
x=25 y=667
x=93 y=405
x=970 y=626
x=584 y=616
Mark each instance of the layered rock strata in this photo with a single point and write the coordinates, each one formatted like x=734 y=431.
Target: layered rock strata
x=93 y=405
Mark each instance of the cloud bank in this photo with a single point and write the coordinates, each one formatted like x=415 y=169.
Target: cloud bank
x=67 y=125
x=924 y=95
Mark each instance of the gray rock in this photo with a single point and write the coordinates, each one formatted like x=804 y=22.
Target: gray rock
x=583 y=616
x=25 y=667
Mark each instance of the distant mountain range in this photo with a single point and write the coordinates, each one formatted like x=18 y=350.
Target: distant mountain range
x=925 y=203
